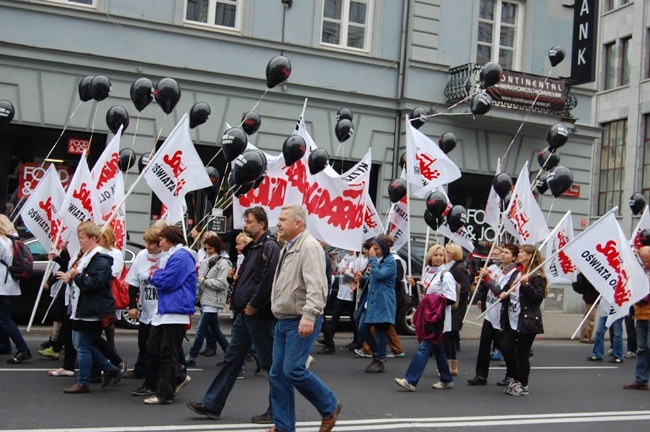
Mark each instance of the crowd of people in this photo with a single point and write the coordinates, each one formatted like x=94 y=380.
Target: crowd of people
x=277 y=290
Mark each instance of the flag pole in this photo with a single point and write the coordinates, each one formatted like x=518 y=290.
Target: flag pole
x=408 y=226
x=48 y=272
x=593 y=306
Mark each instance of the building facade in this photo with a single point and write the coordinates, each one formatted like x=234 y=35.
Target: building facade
x=379 y=58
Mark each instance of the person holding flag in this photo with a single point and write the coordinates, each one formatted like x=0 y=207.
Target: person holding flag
x=642 y=315
x=521 y=318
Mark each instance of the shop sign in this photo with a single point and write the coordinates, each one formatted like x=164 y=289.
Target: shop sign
x=31 y=173
x=520 y=90
x=76 y=146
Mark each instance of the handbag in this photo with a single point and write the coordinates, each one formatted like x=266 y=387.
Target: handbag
x=108 y=320
x=120 y=290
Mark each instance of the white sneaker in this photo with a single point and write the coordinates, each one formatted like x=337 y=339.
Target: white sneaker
x=405 y=384
x=443 y=385
x=310 y=361
x=630 y=354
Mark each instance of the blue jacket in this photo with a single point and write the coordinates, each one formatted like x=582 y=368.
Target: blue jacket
x=176 y=284
x=381 y=302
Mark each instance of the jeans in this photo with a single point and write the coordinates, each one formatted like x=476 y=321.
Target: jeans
x=87 y=354
x=10 y=327
x=290 y=353
x=599 y=340
x=246 y=330
x=420 y=360
x=643 y=354
x=378 y=342
x=209 y=320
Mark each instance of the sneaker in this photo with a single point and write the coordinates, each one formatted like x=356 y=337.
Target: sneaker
x=405 y=384
x=61 y=373
x=360 y=353
x=265 y=418
x=505 y=382
x=516 y=389
x=610 y=352
x=594 y=358
x=113 y=376
x=143 y=390
x=240 y=375
x=440 y=385
x=310 y=361
x=616 y=360
x=393 y=354
x=181 y=386
x=49 y=353
x=495 y=355
x=47 y=343
x=630 y=354
x=155 y=400
x=201 y=409
x=190 y=361
x=20 y=357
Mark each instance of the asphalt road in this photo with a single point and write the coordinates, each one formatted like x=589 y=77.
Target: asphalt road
x=567 y=393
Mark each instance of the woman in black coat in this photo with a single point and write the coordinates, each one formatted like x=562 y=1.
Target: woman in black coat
x=461 y=276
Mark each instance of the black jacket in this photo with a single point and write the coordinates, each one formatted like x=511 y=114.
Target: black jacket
x=255 y=279
x=461 y=276
x=94 y=282
x=530 y=298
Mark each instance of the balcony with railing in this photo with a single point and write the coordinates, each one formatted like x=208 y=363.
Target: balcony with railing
x=516 y=91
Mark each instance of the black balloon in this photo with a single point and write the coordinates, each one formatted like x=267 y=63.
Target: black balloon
x=167 y=94
x=559 y=180
x=100 y=87
x=215 y=178
x=456 y=218
x=141 y=93
x=277 y=70
x=490 y=74
x=259 y=181
x=249 y=166
x=117 y=116
x=637 y=202
x=557 y=136
x=644 y=237
x=436 y=204
x=343 y=130
x=506 y=202
x=127 y=158
x=233 y=143
x=402 y=161
x=251 y=122
x=293 y=149
x=556 y=55
x=7 y=112
x=84 y=88
x=199 y=114
x=548 y=159
x=447 y=142
x=480 y=103
x=143 y=161
x=418 y=117
x=430 y=220
x=318 y=160
x=396 y=190
x=502 y=184
x=243 y=189
x=344 y=113
x=541 y=185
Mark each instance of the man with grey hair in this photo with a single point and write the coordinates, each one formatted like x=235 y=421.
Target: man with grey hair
x=642 y=316
x=297 y=301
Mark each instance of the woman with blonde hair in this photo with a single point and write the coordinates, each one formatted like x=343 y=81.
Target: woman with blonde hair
x=521 y=318
x=9 y=287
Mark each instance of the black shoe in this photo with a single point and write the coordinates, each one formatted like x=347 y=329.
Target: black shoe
x=113 y=376
x=201 y=409
x=321 y=341
x=477 y=380
x=505 y=382
x=265 y=418
x=210 y=352
x=190 y=363
x=96 y=379
x=47 y=343
x=327 y=349
x=352 y=345
x=20 y=357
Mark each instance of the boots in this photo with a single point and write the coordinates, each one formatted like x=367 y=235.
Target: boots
x=375 y=367
x=453 y=367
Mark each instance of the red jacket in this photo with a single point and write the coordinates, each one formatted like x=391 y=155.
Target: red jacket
x=429 y=318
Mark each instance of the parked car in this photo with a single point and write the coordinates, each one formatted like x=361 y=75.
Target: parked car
x=21 y=307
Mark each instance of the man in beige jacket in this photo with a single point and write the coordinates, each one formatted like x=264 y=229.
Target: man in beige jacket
x=297 y=301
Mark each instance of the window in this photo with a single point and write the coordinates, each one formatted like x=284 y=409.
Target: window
x=613 y=4
x=215 y=13
x=645 y=181
x=498 y=32
x=610 y=66
x=346 y=23
x=612 y=159
x=625 y=61
x=75 y=2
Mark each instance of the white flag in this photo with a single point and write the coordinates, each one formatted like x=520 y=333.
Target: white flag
x=39 y=213
x=644 y=223
x=524 y=219
x=372 y=226
x=427 y=166
x=175 y=170
x=493 y=205
x=463 y=236
x=398 y=221
x=603 y=255
x=78 y=205
x=559 y=268
x=105 y=174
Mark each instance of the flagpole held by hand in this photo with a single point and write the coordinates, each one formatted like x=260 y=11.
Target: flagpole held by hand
x=586 y=317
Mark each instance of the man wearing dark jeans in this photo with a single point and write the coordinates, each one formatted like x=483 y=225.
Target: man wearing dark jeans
x=251 y=301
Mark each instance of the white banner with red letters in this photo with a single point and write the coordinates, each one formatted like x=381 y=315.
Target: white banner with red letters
x=493 y=205
x=524 y=219
x=602 y=253
x=559 y=268
x=39 y=213
x=644 y=223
